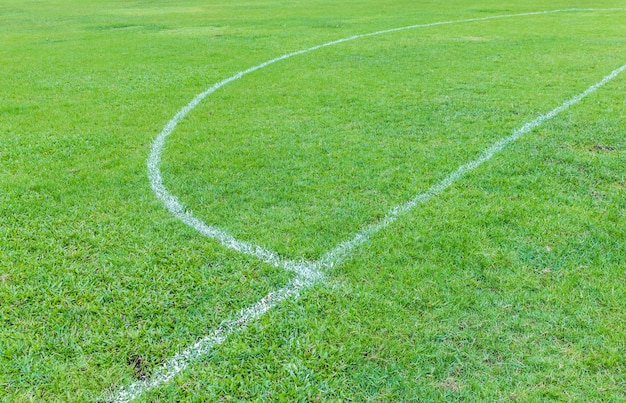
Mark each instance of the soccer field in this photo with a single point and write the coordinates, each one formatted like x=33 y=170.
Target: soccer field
x=312 y=200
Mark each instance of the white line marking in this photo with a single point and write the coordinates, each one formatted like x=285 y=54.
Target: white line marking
x=182 y=360
x=343 y=250
x=308 y=273
x=177 y=208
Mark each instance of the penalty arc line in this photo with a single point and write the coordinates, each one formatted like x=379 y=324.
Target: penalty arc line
x=308 y=273
x=177 y=209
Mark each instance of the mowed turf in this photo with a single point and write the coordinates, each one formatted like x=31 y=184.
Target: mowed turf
x=507 y=286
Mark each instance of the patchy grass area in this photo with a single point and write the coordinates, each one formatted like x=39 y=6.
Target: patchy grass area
x=507 y=286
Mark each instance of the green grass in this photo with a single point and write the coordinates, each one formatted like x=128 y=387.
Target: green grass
x=507 y=286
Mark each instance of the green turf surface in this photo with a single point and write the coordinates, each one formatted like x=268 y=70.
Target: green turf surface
x=508 y=285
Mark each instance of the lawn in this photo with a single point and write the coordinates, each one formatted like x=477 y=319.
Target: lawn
x=506 y=285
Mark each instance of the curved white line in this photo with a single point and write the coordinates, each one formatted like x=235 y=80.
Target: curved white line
x=265 y=255
x=308 y=273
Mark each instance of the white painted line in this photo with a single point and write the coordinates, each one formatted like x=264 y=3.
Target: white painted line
x=177 y=208
x=343 y=250
x=307 y=273
x=182 y=360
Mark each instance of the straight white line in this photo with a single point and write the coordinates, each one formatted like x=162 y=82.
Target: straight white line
x=307 y=273
x=345 y=248
x=182 y=360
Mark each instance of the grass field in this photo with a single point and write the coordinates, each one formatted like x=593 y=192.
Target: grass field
x=507 y=285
